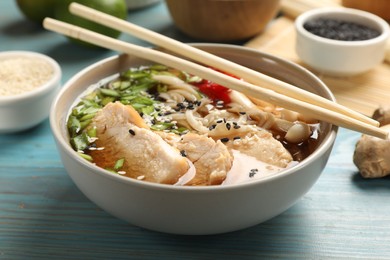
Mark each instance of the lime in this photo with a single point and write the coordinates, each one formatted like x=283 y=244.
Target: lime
x=37 y=10
x=116 y=8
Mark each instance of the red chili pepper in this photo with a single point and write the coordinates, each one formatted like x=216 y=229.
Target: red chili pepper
x=215 y=91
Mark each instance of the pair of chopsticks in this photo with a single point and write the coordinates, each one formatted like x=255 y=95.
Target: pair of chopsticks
x=272 y=90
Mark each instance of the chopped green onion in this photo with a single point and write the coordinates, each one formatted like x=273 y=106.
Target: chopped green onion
x=147 y=110
x=161 y=126
x=110 y=92
x=92 y=132
x=129 y=97
x=86 y=156
x=89 y=103
x=124 y=85
x=85 y=123
x=80 y=142
x=107 y=100
x=142 y=100
x=119 y=164
x=116 y=84
x=179 y=130
x=158 y=67
x=87 y=117
x=73 y=125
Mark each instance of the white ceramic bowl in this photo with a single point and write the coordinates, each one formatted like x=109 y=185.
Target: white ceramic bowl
x=336 y=57
x=22 y=111
x=192 y=210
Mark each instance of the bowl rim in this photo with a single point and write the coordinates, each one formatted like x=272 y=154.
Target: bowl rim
x=326 y=143
x=323 y=11
x=52 y=83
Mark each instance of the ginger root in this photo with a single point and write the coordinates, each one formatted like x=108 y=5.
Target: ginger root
x=372 y=155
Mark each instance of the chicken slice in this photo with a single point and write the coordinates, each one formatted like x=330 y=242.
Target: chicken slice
x=123 y=134
x=264 y=147
x=212 y=159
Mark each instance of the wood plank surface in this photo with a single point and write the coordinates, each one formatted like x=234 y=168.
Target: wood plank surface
x=43 y=215
x=363 y=93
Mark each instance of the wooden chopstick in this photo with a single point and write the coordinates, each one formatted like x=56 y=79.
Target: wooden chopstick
x=212 y=75
x=209 y=59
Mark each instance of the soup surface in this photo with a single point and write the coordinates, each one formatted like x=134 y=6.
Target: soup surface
x=158 y=124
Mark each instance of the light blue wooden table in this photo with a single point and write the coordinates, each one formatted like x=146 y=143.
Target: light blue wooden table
x=44 y=216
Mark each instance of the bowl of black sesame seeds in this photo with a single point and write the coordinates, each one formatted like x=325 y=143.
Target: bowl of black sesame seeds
x=341 y=41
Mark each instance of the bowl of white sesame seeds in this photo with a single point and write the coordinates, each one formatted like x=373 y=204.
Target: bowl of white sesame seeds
x=28 y=84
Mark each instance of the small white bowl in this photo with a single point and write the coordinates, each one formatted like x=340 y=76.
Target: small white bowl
x=337 y=57
x=24 y=110
x=183 y=209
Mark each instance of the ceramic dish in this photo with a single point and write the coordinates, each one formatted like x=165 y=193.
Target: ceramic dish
x=182 y=209
x=28 y=108
x=339 y=57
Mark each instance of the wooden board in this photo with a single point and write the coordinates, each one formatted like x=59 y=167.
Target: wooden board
x=363 y=93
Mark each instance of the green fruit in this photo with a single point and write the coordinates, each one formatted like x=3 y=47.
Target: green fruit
x=116 y=8
x=37 y=10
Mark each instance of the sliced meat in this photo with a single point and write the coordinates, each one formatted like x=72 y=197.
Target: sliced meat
x=264 y=147
x=123 y=134
x=211 y=159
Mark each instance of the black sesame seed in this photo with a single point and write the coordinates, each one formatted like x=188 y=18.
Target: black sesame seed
x=131 y=131
x=236 y=127
x=228 y=126
x=236 y=138
x=252 y=172
x=212 y=127
x=183 y=153
x=224 y=140
x=242 y=113
x=224 y=120
x=219 y=121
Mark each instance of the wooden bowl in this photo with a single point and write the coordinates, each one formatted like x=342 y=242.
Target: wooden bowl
x=222 y=20
x=378 y=7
